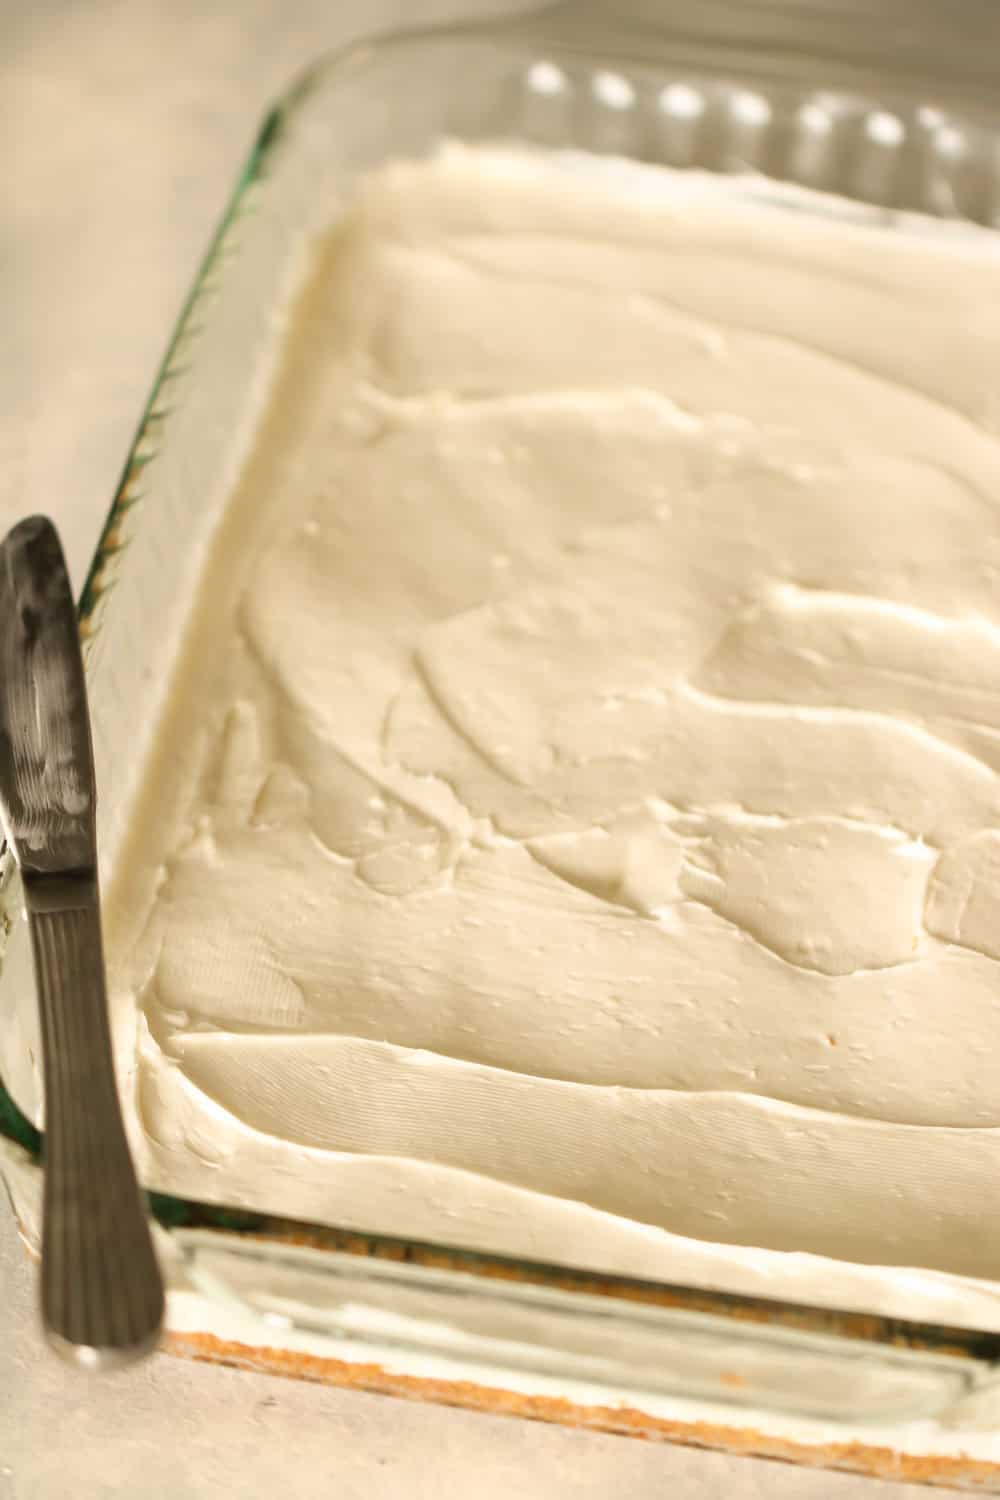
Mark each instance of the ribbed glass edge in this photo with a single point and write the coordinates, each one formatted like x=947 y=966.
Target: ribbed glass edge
x=14 y=1124
x=571 y=30
x=950 y=51
x=100 y=576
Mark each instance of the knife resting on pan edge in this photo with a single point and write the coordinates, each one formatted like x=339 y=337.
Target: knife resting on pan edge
x=101 y=1290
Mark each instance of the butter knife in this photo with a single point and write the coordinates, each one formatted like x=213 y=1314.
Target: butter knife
x=101 y=1291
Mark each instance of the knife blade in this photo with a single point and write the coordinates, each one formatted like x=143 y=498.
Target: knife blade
x=101 y=1290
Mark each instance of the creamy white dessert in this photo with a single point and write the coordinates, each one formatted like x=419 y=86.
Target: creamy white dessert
x=576 y=829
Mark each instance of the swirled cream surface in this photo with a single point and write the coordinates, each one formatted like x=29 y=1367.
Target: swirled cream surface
x=577 y=824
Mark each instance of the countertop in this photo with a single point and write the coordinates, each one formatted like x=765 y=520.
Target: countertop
x=124 y=122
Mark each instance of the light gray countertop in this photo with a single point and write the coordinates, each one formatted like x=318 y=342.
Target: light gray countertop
x=124 y=122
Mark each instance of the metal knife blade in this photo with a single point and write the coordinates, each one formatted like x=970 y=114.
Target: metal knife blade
x=46 y=759
x=101 y=1291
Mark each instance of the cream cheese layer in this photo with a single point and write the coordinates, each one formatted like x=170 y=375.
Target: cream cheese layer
x=577 y=830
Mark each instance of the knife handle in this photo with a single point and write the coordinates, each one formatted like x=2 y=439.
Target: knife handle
x=102 y=1294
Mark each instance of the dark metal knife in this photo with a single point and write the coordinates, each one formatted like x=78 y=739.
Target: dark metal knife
x=102 y=1295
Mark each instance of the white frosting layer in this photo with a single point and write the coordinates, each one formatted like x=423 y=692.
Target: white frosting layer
x=577 y=827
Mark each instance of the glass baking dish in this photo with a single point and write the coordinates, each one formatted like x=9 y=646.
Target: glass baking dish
x=774 y=92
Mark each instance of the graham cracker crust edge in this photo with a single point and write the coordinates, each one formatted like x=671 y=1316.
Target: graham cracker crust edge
x=977 y=1476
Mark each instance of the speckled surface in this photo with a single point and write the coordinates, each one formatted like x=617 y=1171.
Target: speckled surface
x=124 y=123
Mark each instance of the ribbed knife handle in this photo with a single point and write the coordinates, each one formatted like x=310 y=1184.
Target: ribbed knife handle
x=102 y=1295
